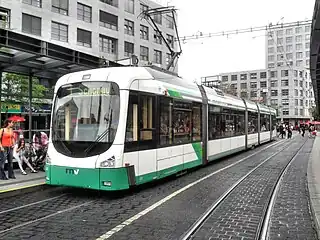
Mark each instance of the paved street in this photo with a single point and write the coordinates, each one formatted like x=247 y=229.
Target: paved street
x=64 y=213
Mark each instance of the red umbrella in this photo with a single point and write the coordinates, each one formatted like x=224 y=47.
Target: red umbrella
x=16 y=118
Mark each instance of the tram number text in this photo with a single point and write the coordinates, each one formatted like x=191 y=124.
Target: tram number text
x=72 y=171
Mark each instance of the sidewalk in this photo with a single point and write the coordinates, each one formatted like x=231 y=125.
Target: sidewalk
x=22 y=181
x=314 y=183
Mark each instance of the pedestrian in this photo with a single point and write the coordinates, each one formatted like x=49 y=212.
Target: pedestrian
x=6 y=149
x=303 y=130
x=19 y=155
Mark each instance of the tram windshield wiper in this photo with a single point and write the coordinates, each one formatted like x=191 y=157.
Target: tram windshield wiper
x=98 y=139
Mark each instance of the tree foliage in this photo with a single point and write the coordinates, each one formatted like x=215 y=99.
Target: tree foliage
x=16 y=89
x=315 y=113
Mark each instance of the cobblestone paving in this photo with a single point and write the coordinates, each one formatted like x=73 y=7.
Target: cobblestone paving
x=106 y=212
x=291 y=217
x=240 y=214
x=172 y=219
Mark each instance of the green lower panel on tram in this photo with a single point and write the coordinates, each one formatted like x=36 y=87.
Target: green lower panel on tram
x=100 y=178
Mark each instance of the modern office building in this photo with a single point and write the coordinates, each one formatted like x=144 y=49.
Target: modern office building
x=285 y=84
x=105 y=28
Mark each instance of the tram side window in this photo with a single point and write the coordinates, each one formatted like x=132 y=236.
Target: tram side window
x=239 y=123
x=147 y=122
x=182 y=122
x=214 y=122
x=196 y=122
x=227 y=123
x=264 y=122
x=165 y=121
x=252 y=122
x=274 y=122
x=132 y=119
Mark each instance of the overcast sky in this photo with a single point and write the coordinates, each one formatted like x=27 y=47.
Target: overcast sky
x=238 y=52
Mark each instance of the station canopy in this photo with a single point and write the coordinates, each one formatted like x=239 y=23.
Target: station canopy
x=26 y=55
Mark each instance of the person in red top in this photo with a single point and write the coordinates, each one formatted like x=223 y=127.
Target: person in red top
x=6 y=149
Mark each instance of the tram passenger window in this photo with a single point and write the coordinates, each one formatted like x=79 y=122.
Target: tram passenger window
x=182 y=122
x=165 y=120
x=214 y=122
x=252 y=122
x=264 y=122
x=132 y=119
x=239 y=126
x=147 y=106
x=196 y=123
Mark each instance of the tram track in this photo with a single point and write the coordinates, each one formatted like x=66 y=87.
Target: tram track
x=263 y=224
x=52 y=211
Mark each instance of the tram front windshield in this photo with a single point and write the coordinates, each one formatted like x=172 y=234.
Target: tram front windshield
x=85 y=114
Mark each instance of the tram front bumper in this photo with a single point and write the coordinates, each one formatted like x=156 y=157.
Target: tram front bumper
x=109 y=179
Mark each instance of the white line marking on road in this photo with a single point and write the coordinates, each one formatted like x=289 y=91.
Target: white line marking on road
x=157 y=204
x=31 y=204
x=45 y=217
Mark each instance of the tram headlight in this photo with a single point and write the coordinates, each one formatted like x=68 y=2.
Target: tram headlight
x=110 y=162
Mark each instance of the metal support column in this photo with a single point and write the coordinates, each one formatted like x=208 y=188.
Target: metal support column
x=30 y=107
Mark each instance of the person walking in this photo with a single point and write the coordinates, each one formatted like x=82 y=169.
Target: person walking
x=6 y=149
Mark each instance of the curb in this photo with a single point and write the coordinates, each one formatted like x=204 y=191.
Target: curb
x=23 y=189
x=314 y=199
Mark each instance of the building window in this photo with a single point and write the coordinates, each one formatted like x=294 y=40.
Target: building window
x=284 y=73
x=298 y=30
x=299 y=38
x=31 y=24
x=289 y=31
x=144 y=32
x=299 y=63
x=270 y=42
x=84 y=38
x=144 y=53
x=289 y=56
x=274 y=93
x=107 y=44
x=170 y=40
x=234 y=77
x=285 y=102
x=253 y=75
x=253 y=94
x=128 y=49
x=157 y=57
x=169 y=21
x=60 y=6
x=84 y=13
x=157 y=37
x=5 y=18
x=289 y=39
x=285 y=83
x=271 y=58
x=274 y=102
x=271 y=50
x=299 y=55
x=280 y=57
x=143 y=8
x=128 y=27
x=113 y=3
x=307 y=62
x=296 y=111
x=280 y=41
x=274 y=83
x=289 y=48
x=243 y=85
x=285 y=112
x=279 y=32
x=296 y=84
x=59 y=32
x=108 y=20
x=157 y=18
x=263 y=75
x=225 y=78
x=274 y=74
x=307 y=28
x=299 y=47
x=168 y=58
x=301 y=112
x=307 y=37
x=36 y=3
x=129 y=6
x=263 y=84
x=243 y=76
x=285 y=92
x=253 y=85
x=307 y=45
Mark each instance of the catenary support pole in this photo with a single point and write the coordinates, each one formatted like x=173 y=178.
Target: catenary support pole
x=30 y=107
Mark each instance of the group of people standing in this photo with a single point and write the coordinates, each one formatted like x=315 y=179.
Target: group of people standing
x=9 y=149
x=282 y=129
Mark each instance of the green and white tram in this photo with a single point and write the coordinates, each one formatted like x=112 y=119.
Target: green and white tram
x=113 y=128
